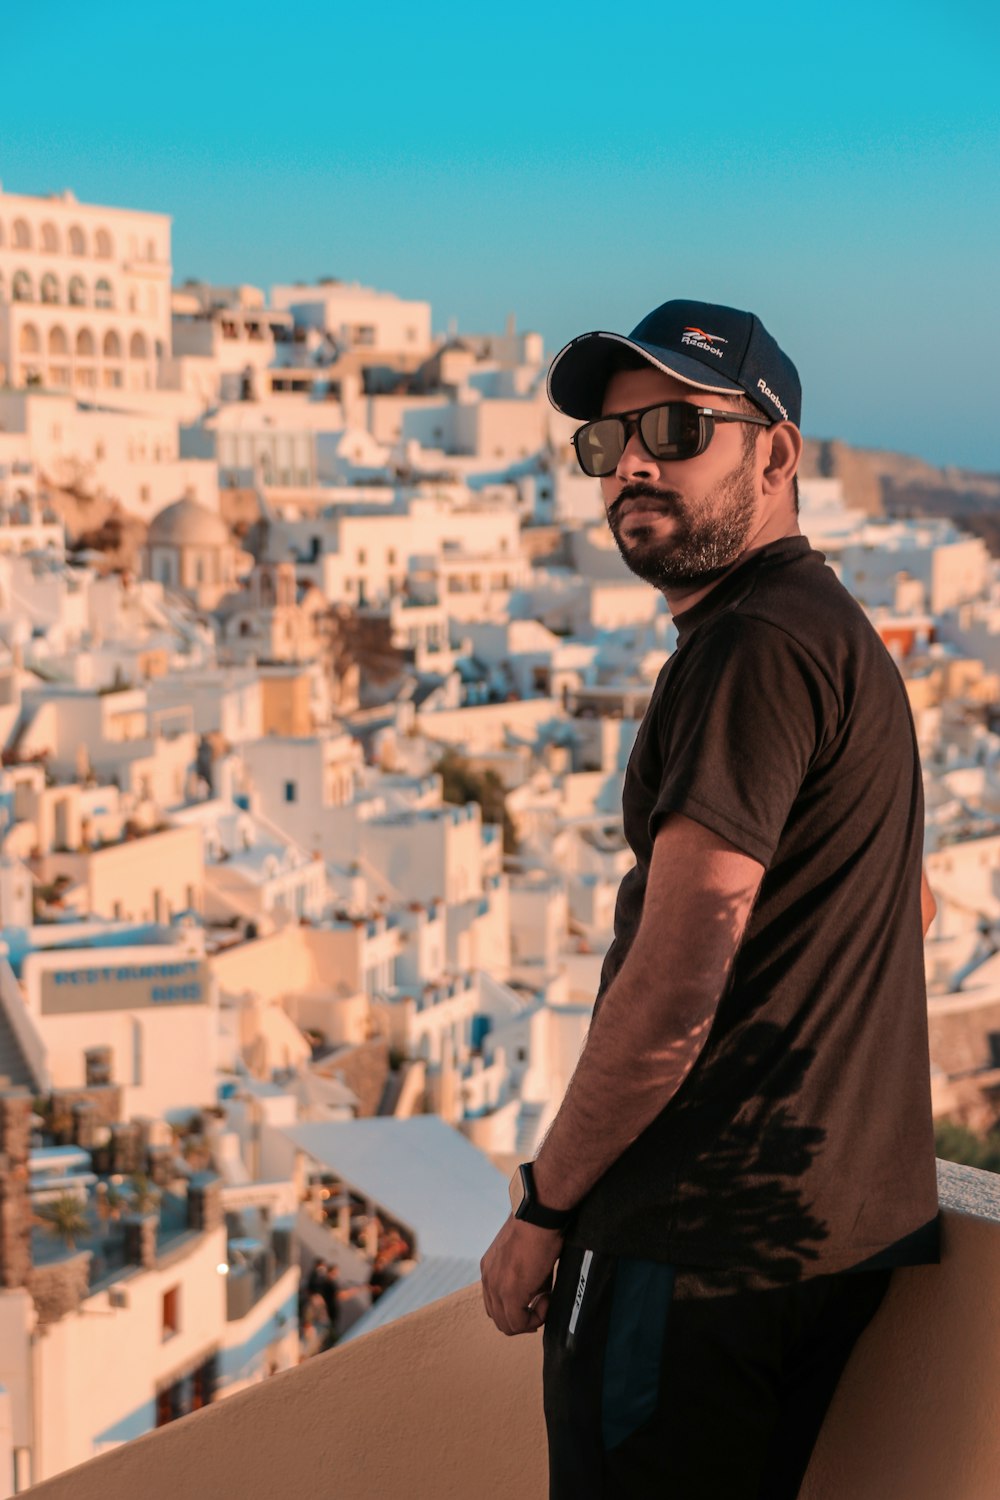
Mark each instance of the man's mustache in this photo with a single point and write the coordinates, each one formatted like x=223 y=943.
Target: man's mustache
x=665 y=500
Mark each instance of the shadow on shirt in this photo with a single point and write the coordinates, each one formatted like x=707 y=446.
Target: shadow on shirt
x=748 y=1167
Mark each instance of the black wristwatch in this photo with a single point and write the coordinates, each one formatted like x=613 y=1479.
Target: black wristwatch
x=525 y=1205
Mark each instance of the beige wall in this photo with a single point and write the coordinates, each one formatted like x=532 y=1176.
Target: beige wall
x=439 y=1406
x=292 y=960
x=285 y=705
x=142 y=879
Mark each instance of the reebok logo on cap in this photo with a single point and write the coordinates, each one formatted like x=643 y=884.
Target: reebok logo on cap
x=702 y=340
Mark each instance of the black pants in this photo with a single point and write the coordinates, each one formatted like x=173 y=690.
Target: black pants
x=661 y=1382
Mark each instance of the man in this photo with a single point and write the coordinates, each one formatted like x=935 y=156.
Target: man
x=745 y=1149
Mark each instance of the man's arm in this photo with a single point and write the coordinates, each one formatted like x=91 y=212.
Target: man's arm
x=646 y=1037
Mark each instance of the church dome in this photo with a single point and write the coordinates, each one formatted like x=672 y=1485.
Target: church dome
x=188 y=524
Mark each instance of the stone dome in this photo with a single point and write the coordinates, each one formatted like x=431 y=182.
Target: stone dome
x=188 y=524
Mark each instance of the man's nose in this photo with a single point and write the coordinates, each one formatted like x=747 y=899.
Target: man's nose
x=636 y=461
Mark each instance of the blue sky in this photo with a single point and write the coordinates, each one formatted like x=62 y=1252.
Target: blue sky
x=836 y=169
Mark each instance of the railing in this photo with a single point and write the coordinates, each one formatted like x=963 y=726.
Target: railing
x=439 y=1406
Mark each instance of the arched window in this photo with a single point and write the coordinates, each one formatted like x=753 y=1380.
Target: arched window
x=22 y=288
x=103 y=295
x=77 y=241
x=85 y=346
x=22 y=235
x=50 y=288
x=112 y=345
x=50 y=239
x=77 y=291
x=137 y=346
x=58 y=342
x=103 y=245
x=28 y=341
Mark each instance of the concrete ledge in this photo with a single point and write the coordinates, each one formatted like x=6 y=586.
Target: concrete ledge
x=439 y=1406
x=915 y=1417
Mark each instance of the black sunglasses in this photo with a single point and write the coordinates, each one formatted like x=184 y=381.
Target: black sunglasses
x=671 y=429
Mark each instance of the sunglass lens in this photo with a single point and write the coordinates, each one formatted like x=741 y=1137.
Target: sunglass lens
x=671 y=431
x=600 y=445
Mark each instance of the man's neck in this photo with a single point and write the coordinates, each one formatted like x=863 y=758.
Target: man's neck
x=679 y=600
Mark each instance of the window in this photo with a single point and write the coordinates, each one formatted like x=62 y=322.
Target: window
x=291 y=791
x=171 y=1312
x=77 y=291
x=22 y=288
x=103 y=296
x=361 y=556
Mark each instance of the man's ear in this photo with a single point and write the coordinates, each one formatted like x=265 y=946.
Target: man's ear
x=782 y=458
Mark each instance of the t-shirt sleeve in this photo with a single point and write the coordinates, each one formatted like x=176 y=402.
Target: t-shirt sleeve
x=740 y=724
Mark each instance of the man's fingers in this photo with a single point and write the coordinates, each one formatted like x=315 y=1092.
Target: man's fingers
x=540 y=1309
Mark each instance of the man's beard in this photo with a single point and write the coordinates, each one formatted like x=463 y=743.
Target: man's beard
x=707 y=538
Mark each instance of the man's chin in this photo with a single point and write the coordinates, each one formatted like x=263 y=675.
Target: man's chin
x=664 y=569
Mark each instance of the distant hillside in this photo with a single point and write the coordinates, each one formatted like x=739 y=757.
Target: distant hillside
x=892 y=484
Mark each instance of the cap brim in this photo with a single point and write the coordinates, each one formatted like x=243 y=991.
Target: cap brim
x=579 y=374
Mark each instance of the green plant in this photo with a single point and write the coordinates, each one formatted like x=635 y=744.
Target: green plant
x=144 y=1196
x=461 y=783
x=955 y=1142
x=65 y=1218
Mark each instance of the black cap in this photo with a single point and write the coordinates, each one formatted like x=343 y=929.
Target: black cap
x=711 y=347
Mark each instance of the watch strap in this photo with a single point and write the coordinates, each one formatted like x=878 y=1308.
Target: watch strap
x=530 y=1209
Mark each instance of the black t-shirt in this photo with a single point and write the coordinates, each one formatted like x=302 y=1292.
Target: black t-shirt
x=801 y=1142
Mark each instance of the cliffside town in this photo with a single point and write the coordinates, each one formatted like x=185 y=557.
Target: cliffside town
x=319 y=674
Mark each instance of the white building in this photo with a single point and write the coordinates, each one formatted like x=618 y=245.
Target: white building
x=150 y=1004
x=358 y=317
x=84 y=295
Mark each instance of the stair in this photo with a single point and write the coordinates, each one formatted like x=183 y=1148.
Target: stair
x=529 y=1120
x=13 y=1066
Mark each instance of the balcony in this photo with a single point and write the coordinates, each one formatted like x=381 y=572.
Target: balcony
x=438 y=1406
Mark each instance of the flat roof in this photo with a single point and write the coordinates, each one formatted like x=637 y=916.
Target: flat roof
x=421 y=1171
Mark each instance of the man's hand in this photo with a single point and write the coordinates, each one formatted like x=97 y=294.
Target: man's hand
x=517 y=1275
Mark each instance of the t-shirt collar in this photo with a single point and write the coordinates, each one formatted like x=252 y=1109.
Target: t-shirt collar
x=729 y=590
